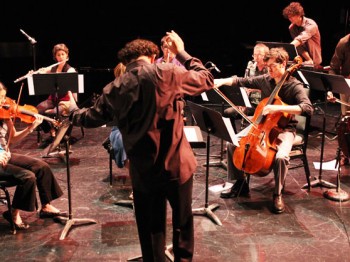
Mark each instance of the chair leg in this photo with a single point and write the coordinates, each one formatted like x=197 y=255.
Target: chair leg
x=82 y=132
x=111 y=155
x=9 y=207
x=307 y=172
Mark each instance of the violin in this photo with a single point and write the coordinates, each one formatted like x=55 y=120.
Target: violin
x=9 y=109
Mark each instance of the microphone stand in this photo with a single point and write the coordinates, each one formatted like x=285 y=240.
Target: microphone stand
x=319 y=181
x=337 y=194
x=33 y=42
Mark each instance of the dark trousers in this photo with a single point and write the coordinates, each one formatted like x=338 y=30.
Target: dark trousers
x=150 y=212
x=29 y=173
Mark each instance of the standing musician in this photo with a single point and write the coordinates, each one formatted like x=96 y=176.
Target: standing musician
x=168 y=56
x=305 y=33
x=294 y=101
x=28 y=172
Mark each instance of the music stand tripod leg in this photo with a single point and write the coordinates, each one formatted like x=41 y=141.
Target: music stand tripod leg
x=207 y=210
x=69 y=222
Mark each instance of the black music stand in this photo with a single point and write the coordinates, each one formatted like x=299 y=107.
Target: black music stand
x=63 y=134
x=290 y=48
x=211 y=122
x=324 y=83
x=238 y=97
x=213 y=99
x=53 y=83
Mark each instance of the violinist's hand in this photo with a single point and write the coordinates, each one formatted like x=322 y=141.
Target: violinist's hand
x=330 y=97
x=38 y=120
x=4 y=157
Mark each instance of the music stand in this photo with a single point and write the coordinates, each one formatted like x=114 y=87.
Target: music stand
x=211 y=98
x=53 y=83
x=290 y=48
x=324 y=83
x=211 y=122
x=239 y=97
x=63 y=135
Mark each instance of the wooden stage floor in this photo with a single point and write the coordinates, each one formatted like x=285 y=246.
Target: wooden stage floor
x=313 y=228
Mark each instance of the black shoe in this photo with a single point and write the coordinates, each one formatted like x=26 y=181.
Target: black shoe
x=8 y=217
x=278 y=204
x=46 y=214
x=240 y=188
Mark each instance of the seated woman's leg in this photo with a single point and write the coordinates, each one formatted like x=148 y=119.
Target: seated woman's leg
x=47 y=184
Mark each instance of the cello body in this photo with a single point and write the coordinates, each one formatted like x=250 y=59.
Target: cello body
x=257 y=150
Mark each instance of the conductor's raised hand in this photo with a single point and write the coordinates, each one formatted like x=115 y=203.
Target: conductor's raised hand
x=175 y=43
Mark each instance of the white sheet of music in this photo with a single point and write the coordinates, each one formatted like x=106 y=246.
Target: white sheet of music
x=303 y=78
x=204 y=96
x=245 y=97
x=347 y=81
x=230 y=130
x=193 y=133
x=30 y=85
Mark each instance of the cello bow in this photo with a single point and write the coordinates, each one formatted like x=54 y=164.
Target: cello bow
x=223 y=96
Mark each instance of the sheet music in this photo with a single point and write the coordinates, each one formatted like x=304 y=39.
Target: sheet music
x=330 y=165
x=230 y=130
x=193 y=133
x=347 y=81
x=80 y=83
x=204 y=96
x=30 y=85
x=303 y=78
x=245 y=97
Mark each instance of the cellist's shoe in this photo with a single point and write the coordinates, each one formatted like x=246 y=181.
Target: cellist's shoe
x=278 y=204
x=240 y=188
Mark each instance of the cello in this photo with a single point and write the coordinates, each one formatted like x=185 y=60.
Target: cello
x=258 y=153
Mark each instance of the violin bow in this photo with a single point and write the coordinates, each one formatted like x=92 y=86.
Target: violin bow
x=11 y=130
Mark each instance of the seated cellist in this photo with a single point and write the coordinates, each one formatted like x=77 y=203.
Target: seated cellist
x=295 y=101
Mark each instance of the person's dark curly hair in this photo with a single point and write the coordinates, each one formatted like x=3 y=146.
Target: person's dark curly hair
x=136 y=48
x=293 y=9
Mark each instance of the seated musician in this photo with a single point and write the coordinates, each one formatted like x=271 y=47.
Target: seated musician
x=254 y=68
x=29 y=173
x=296 y=101
x=50 y=105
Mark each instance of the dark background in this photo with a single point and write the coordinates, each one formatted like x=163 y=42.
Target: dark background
x=223 y=32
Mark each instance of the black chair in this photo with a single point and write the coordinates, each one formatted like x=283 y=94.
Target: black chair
x=108 y=146
x=7 y=200
x=300 y=146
